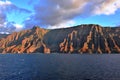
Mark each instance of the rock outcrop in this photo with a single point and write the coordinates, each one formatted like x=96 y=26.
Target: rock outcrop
x=79 y=39
x=27 y=41
x=3 y=35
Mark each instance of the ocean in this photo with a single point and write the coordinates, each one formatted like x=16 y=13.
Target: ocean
x=59 y=66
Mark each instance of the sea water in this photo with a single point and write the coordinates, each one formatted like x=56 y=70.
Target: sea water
x=59 y=66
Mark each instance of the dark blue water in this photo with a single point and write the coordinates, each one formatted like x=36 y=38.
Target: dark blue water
x=59 y=67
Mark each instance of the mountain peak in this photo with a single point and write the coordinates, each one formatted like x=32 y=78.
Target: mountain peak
x=85 y=38
x=35 y=27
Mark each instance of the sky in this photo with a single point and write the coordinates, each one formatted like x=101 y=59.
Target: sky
x=17 y=15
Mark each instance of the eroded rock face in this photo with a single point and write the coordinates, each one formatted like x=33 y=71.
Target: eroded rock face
x=79 y=39
x=84 y=39
x=27 y=41
x=3 y=35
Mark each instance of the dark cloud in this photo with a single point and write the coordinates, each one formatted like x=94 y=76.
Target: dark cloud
x=55 y=12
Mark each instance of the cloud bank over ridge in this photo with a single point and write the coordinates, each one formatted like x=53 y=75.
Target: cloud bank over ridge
x=55 y=13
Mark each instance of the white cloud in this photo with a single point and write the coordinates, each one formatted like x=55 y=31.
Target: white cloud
x=4 y=33
x=56 y=13
x=18 y=27
x=10 y=27
x=6 y=6
x=107 y=7
x=3 y=3
x=62 y=25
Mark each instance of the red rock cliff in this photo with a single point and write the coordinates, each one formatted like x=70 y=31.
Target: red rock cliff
x=79 y=39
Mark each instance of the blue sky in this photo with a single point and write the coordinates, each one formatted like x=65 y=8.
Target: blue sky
x=16 y=15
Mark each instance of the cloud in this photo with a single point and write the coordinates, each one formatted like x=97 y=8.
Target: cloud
x=107 y=7
x=10 y=27
x=6 y=7
x=2 y=19
x=18 y=27
x=62 y=25
x=57 y=12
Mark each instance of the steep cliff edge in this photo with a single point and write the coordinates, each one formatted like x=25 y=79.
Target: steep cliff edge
x=3 y=35
x=84 y=39
x=27 y=41
x=79 y=39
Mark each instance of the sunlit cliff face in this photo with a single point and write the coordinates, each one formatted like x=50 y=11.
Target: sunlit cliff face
x=79 y=39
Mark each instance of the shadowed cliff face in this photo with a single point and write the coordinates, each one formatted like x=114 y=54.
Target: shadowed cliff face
x=79 y=39
x=84 y=39
x=3 y=35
